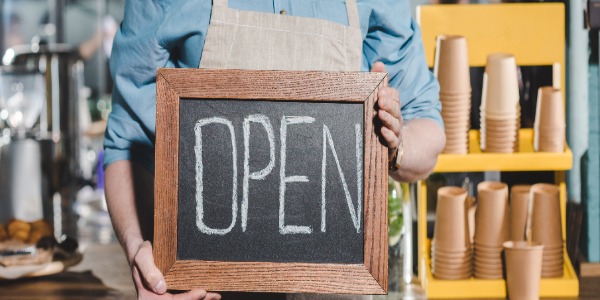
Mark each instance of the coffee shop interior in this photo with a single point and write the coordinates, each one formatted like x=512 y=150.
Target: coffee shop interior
x=520 y=95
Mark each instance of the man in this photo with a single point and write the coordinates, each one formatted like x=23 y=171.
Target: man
x=373 y=35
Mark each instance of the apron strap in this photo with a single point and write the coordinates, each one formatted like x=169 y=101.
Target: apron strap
x=352 y=10
x=220 y=2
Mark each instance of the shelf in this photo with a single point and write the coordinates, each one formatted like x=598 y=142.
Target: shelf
x=565 y=286
x=524 y=160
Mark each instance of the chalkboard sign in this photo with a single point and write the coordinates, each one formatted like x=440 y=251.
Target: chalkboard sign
x=270 y=181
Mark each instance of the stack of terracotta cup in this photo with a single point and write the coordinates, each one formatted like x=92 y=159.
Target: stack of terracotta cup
x=519 y=207
x=491 y=229
x=452 y=71
x=451 y=246
x=549 y=126
x=545 y=227
x=500 y=110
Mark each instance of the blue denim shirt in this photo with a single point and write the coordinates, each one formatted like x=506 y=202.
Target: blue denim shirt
x=170 y=33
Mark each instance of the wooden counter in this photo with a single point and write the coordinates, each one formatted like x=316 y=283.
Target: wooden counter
x=103 y=274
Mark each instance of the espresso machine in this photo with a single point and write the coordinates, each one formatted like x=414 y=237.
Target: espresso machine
x=40 y=172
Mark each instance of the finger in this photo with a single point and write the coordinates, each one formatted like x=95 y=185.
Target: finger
x=194 y=294
x=390 y=138
x=389 y=100
x=212 y=296
x=378 y=67
x=151 y=276
x=390 y=122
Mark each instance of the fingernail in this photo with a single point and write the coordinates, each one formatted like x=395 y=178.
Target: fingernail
x=382 y=93
x=160 y=287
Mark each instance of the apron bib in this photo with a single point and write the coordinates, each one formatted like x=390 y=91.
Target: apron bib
x=264 y=41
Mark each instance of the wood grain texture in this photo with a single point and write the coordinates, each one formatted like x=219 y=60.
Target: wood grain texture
x=272 y=277
x=272 y=85
x=166 y=179
x=173 y=84
x=375 y=195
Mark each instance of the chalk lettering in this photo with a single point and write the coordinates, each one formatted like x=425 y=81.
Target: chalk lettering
x=200 y=176
x=283 y=179
x=355 y=214
x=258 y=175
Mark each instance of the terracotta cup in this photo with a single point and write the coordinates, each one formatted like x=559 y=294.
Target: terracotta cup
x=491 y=218
x=549 y=124
x=481 y=274
x=458 y=273
x=500 y=137
x=555 y=274
x=452 y=266
x=545 y=221
x=550 y=110
x=506 y=130
x=498 y=141
x=456 y=109
x=456 y=118
x=445 y=94
x=457 y=132
x=451 y=65
x=519 y=204
x=553 y=264
x=490 y=270
x=451 y=227
x=523 y=269
x=451 y=277
x=556 y=145
x=456 y=98
x=451 y=263
x=553 y=248
x=498 y=150
x=500 y=93
x=487 y=261
x=496 y=116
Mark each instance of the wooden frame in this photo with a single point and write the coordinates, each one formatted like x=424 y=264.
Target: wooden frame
x=367 y=278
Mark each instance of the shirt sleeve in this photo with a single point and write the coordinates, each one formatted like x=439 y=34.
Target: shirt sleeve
x=153 y=34
x=392 y=37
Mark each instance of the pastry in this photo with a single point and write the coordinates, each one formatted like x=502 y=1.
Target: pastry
x=39 y=229
x=19 y=230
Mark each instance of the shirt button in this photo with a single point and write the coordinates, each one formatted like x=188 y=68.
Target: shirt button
x=282 y=12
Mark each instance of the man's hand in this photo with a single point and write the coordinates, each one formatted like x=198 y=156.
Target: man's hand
x=421 y=139
x=150 y=283
x=389 y=113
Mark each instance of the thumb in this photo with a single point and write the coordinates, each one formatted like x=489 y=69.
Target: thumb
x=378 y=67
x=151 y=275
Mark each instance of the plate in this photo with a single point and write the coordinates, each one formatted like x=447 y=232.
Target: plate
x=54 y=267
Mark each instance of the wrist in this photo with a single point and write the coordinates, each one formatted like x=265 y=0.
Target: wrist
x=132 y=246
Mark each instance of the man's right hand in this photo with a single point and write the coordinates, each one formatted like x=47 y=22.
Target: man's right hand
x=150 y=283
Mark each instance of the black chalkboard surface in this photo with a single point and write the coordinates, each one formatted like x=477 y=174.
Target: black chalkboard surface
x=270 y=181
x=305 y=205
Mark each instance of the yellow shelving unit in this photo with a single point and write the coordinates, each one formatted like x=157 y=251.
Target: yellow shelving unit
x=476 y=161
x=535 y=34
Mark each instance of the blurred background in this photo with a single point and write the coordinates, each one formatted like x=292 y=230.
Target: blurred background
x=55 y=98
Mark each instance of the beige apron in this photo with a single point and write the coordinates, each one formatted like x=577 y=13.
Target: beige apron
x=262 y=41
